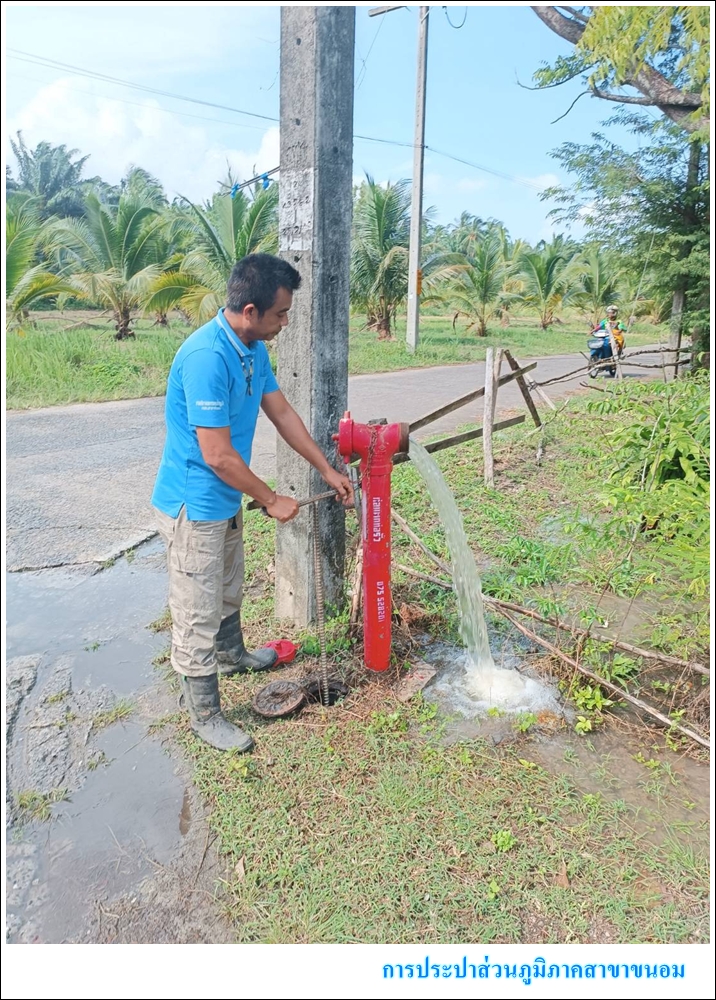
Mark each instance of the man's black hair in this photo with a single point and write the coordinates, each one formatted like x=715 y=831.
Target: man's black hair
x=256 y=279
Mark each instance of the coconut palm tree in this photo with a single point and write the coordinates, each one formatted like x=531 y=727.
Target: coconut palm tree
x=476 y=279
x=216 y=237
x=52 y=176
x=139 y=184
x=111 y=256
x=548 y=279
x=379 y=252
x=28 y=280
x=598 y=283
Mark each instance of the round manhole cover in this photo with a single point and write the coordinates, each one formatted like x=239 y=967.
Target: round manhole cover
x=279 y=698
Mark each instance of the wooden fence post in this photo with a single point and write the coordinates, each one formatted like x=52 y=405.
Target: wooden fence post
x=493 y=363
x=526 y=395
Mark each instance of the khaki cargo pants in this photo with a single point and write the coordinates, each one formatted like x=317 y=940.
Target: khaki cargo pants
x=206 y=577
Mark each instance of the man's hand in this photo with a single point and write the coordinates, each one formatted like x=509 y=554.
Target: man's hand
x=282 y=509
x=293 y=430
x=337 y=481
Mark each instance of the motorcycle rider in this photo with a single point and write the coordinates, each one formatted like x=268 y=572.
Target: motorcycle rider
x=613 y=325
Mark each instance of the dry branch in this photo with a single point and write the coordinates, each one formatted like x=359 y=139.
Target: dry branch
x=403 y=524
x=627 y=647
x=666 y=722
x=469 y=397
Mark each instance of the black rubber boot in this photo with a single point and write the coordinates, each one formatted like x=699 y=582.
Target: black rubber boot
x=200 y=696
x=232 y=655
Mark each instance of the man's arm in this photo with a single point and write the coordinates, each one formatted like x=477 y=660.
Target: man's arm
x=293 y=430
x=223 y=459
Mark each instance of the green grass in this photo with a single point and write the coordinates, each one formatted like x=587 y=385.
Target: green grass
x=440 y=344
x=122 y=710
x=34 y=806
x=56 y=360
x=50 y=363
x=163 y=623
x=340 y=831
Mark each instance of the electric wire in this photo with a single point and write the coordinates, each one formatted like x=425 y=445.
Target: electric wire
x=455 y=26
x=56 y=64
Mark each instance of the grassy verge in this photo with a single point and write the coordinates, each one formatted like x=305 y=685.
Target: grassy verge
x=74 y=358
x=440 y=344
x=372 y=830
x=373 y=822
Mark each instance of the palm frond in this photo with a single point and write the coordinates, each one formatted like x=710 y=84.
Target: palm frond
x=35 y=286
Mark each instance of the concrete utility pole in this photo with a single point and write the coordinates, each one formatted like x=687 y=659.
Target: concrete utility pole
x=415 y=277
x=315 y=209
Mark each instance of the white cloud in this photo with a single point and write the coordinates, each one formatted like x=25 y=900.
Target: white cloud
x=183 y=155
x=471 y=184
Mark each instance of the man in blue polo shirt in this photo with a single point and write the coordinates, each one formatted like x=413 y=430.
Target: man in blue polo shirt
x=219 y=378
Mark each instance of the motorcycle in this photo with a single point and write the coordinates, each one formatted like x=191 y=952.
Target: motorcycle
x=600 y=351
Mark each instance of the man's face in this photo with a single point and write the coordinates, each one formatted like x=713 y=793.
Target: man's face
x=269 y=325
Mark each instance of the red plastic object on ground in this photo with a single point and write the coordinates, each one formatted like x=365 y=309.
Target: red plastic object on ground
x=375 y=444
x=285 y=648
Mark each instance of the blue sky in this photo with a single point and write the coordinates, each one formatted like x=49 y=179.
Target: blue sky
x=229 y=54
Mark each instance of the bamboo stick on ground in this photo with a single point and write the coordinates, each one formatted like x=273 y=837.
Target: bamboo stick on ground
x=645 y=654
x=637 y=702
x=424 y=576
x=403 y=524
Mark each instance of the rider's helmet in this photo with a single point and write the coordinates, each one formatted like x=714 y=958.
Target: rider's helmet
x=612 y=311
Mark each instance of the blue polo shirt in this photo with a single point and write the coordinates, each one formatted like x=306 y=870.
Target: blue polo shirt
x=208 y=386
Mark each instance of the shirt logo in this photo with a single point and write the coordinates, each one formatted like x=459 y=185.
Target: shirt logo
x=209 y=404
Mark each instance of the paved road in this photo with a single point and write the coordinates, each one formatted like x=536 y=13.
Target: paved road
x=79 y=478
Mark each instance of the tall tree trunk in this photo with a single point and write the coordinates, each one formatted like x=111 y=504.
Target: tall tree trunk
x=676 y=325
x=678 y=303
x=123 y=319
x=383 y=321
x=384 y=327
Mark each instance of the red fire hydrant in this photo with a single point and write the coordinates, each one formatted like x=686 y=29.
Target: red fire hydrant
x=375 y=444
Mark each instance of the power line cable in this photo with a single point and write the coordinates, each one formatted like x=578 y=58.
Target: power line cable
x=364 y=68
x=455 y=26
x=488 y=170
x=148 y=107
x=55 y=64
